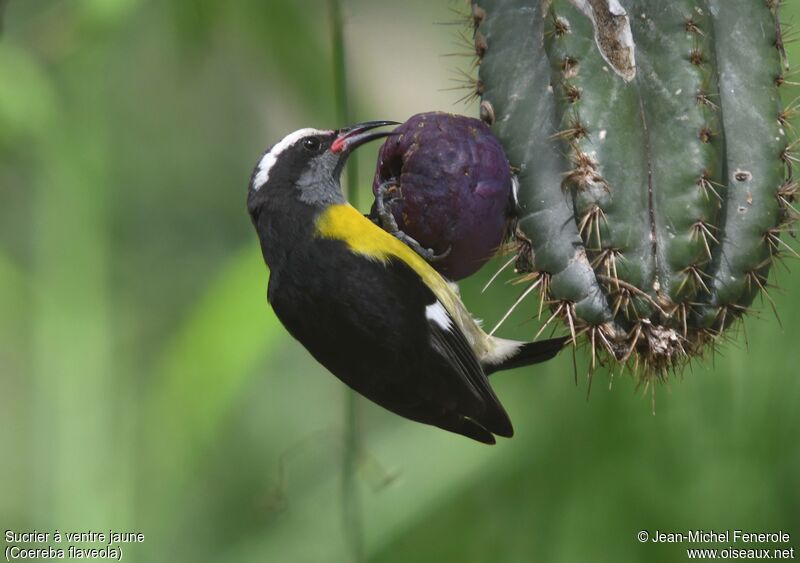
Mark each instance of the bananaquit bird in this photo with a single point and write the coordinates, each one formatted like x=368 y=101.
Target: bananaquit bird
x=364 y=304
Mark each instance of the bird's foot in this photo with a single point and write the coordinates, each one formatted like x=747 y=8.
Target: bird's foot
x=427 y=253
x=386 y=220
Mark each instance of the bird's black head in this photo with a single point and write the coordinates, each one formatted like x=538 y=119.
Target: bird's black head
x=307 y=164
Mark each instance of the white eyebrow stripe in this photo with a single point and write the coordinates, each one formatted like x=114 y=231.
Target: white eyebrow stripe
x=271 y=157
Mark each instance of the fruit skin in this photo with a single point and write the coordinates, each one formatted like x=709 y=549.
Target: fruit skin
x=454 y=188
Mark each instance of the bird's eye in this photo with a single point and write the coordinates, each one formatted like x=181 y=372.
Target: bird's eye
x=311 y=144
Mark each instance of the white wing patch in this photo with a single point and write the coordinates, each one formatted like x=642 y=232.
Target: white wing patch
x=438 y=314
x=271 y=157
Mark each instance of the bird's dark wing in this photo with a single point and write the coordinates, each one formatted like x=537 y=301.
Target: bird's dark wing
x=374 y=325
x=449 y=341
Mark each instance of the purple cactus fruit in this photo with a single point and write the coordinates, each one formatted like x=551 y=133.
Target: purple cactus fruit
x=453 y=188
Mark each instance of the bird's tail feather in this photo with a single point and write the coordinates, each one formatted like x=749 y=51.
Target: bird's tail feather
x=528 y=353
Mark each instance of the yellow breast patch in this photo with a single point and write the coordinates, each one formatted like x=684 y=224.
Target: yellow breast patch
x=344 y=222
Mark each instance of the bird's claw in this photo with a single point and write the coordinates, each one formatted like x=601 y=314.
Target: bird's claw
x=387 y=221
x=428 y=254
x=385 y=218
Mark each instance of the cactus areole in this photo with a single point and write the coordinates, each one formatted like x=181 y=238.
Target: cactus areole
x=654 y=161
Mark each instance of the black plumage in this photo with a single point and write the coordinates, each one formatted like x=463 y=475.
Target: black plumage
x=371 y=320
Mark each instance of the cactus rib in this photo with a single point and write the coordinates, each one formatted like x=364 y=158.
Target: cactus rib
x=547 y=218
x=755 y=173
x=654 y=161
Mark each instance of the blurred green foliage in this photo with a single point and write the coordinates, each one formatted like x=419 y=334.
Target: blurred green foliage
x=147 y=386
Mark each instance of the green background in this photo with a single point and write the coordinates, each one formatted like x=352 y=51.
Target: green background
x=147 y=386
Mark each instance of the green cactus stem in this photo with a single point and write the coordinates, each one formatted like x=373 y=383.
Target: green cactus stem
x=653 y=157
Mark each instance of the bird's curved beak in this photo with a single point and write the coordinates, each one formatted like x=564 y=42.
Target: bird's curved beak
x=354 y=136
